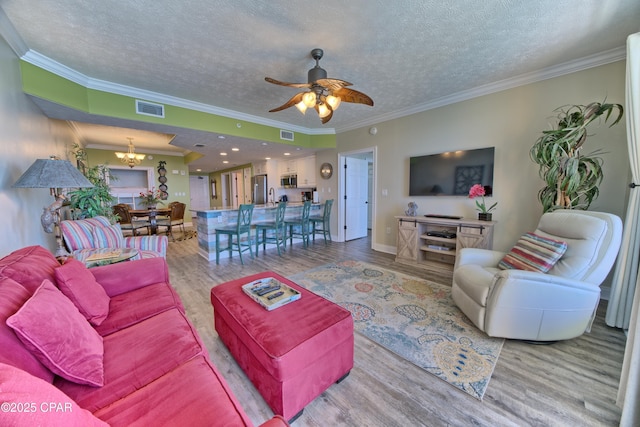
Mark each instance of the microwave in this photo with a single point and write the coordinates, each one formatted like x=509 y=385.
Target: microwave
x=289 y=181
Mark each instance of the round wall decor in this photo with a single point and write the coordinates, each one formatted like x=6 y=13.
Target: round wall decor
x=326 y=170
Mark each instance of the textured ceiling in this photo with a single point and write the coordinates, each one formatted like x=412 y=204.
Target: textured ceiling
x=406 y=55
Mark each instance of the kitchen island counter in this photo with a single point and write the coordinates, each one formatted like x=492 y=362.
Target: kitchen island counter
x=210 y=219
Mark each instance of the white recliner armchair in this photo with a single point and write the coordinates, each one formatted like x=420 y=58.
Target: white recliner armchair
x=536 y=306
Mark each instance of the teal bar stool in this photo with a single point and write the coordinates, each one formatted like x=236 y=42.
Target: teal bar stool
x=276 y=229
x=245 y=212
x=324 y=221
x=300 y=223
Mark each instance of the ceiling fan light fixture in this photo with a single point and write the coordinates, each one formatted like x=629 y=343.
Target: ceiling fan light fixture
x=323 y=94
x=323 y=111
x=301 y=106
x=309 y=99
x=334 y=102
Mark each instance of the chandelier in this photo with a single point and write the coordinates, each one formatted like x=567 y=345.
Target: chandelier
x=130 y=157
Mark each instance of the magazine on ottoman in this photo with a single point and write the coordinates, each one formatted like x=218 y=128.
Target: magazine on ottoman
x=270 y=293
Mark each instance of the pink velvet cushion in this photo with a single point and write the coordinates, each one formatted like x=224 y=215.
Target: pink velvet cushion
x=108 y=237
x=80 y=286
x=136 y=356
x=38 y=403
x=53 y=329
x=29 y=266
x=12 y=351
x=193 y=394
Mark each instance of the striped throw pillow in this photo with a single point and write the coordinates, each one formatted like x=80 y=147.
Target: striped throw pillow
x=108 y=237
x=533 y=252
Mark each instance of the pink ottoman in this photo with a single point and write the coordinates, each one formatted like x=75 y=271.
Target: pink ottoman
x=291 y=354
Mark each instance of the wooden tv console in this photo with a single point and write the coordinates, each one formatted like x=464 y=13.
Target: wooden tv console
x=422 y=240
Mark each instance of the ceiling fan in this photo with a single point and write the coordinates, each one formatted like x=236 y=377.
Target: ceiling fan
x=324 y=94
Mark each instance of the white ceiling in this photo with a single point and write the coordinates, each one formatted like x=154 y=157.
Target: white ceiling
x=408 y=55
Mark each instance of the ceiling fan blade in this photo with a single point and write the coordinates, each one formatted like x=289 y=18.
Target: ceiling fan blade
x=290 y=103
x=350 y=95
x=333 y=84
x=278 y=82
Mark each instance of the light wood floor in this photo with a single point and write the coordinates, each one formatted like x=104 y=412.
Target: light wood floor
x=570 y=383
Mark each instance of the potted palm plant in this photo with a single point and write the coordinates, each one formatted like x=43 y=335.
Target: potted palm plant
x=96 y=200
x=571 y=176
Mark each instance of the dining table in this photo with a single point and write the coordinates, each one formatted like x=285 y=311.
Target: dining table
x=152 y=215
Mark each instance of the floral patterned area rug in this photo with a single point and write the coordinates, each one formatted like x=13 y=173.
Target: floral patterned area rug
x=412 y=317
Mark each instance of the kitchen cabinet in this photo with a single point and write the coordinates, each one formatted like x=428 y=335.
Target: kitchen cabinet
x=288 y=166
x=422 y=240
x=306 y=168
x=260 y=168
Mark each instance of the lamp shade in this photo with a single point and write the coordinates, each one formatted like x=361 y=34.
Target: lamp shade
x=50 y=173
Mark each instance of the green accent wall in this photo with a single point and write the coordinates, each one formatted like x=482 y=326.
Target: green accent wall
x=177 y=183
x=52 y=87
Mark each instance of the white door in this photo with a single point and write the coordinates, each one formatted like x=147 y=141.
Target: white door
x=199 y=192
x=356 y=201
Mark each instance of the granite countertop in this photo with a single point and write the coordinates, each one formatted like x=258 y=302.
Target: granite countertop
x=265 y=206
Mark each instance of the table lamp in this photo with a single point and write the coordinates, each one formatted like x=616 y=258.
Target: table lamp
x=55 y=174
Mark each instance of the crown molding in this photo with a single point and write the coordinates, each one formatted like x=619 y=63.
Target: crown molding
x=596 y=60
x=42 y=61
x=48 y=64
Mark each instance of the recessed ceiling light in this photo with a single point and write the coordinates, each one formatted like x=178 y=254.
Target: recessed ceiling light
x=267 y=158
x=223 y=154
x=225 y=161
x=235 y=149
x=198 y=170
x=287 y=154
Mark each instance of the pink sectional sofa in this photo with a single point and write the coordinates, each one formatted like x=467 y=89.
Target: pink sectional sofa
x=104 y=346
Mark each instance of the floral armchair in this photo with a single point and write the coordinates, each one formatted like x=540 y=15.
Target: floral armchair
x=83 y=236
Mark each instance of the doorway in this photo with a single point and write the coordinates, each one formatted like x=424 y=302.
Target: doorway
x=199 y=192
x=356 y=194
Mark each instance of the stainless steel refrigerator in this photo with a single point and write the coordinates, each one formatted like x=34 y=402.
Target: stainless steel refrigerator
x=259 y=184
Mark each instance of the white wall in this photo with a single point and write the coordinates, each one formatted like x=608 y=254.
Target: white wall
x=25 y=135
x=511 y=121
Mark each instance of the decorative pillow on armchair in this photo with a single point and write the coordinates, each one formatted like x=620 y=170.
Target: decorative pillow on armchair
x=108 y=237
x=533 y=252
x=53 y=329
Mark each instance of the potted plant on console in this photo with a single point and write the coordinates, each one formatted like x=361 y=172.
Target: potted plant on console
x=484 y=213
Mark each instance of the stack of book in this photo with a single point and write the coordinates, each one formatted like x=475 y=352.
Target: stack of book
x=270 y=293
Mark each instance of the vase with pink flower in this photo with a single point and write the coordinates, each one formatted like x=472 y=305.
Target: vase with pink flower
x=151 y=198
x=475 y=192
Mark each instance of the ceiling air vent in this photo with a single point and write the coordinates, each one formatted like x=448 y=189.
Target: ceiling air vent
x=149 y=108
x=287 y=135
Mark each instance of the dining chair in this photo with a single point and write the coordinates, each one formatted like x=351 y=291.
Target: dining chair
x=127 y=222
x=175 y=218
x=324 y=221
x=300 y=223
x=243 y=226
x=276 y=228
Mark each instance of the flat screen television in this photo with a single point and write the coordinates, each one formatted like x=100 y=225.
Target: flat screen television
x=451 y=173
